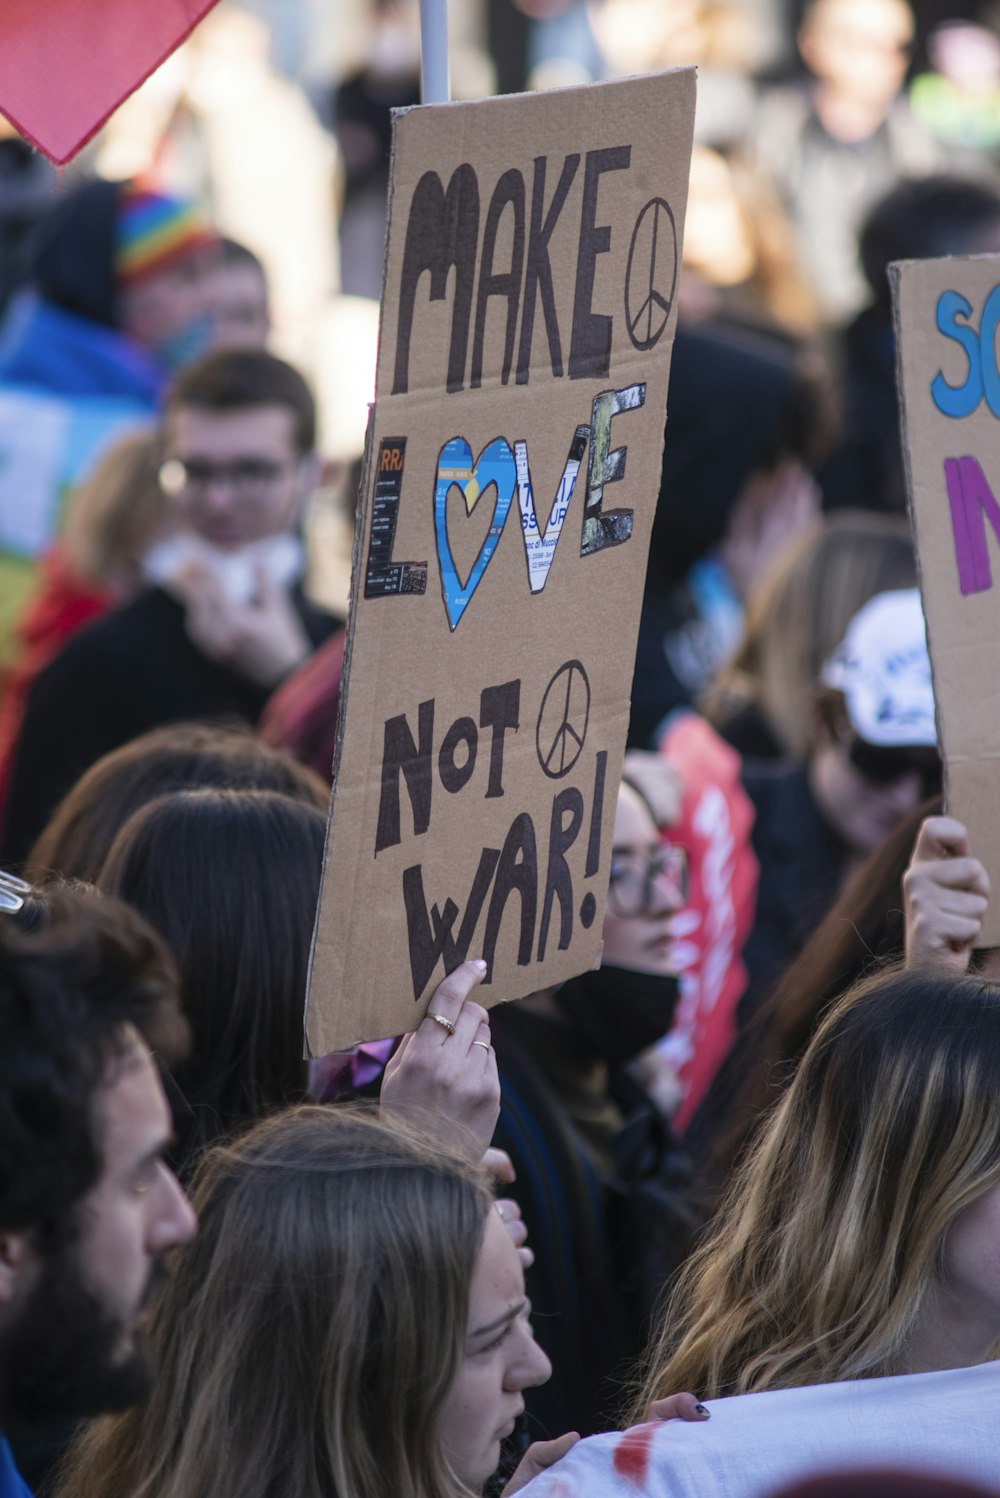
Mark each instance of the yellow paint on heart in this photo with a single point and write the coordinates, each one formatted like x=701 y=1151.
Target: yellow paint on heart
x=471 y=492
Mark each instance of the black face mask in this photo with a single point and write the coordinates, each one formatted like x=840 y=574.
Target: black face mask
x=618 y=1012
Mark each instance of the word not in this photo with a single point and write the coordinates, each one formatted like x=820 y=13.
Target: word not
x=982 y=378
x=412 y=759
x=506 y=470
x=512 y=869
x=442 y=233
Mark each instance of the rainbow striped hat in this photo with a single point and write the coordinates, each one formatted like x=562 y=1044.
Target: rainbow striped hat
x=156 y=232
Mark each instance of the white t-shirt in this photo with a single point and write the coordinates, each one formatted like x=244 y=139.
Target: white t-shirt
x=756 y=1443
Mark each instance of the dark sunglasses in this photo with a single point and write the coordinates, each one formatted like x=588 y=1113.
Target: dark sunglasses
x=884 y=766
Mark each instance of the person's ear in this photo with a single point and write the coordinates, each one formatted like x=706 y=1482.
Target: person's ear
x=822 y=736
x=17 y=1264
x=805 y=38
x=310 y=475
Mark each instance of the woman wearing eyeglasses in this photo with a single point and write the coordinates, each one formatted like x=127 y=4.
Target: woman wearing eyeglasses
x=597 y=1174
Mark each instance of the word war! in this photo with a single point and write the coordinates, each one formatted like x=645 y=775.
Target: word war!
x=444 y=932
x=505 y=469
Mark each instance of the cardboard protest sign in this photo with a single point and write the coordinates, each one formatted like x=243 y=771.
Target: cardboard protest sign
x=949 y=385
x=66 y=65
x=513 y=464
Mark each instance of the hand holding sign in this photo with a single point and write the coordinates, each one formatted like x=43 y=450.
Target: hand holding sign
x=945 y=893
x=448 y=1078
x=512 y=468
x=946 y=313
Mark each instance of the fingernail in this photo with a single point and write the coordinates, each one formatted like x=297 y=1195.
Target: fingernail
x=480 y=964
x=700 y=1409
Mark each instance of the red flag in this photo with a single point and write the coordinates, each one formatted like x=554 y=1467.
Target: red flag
x=66 y=65
x=714 y=827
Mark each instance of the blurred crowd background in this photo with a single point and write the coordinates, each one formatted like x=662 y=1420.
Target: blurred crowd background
x=275 y=116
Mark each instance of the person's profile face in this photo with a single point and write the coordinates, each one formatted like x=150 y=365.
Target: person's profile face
x=234 y=477
x=643 y=894
x=970 y=1270
x=161 y=307
x=76 y=1346
x=862 y=811
x=500 y=1359
x=238 y=304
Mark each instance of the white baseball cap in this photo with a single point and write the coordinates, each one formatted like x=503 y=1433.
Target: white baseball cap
x=884 y=671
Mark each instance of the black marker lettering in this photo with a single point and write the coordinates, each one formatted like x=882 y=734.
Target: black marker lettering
x=538 y=271
x=558 y=879
x=430 y=939
x=590 y=345
x=401 y=756
x=517 y=871
x=498 y=710
x=509 y=192
x=442 y=231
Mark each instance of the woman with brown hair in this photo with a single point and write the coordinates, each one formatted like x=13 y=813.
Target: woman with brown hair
x=182 y=756
x=858 y=1239
x=920 y=897
x=349 y=1323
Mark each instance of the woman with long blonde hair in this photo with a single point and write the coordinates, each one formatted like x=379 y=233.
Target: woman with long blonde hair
x=350 y=1322
x=859 y=1238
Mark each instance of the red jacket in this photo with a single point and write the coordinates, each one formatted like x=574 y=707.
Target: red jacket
x=61 y=604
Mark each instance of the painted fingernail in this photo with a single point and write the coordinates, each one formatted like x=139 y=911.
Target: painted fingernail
x=700 y=1409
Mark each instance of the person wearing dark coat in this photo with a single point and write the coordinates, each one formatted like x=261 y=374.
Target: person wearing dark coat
x=223 y=620
x=740 y=405
x=874 y=758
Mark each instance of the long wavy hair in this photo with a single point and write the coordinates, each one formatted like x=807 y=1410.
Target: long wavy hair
x=819 y=1261
x=309 y=1336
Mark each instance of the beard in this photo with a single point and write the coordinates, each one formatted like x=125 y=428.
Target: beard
x=62 y=1358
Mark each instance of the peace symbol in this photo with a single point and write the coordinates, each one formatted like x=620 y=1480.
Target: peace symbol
x=562 y=721
x=647 y=301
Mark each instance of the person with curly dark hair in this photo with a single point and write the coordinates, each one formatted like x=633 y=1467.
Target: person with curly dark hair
x=88 y=1007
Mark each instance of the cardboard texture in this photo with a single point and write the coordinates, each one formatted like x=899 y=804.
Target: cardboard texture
x=949 y=386
x=512 y=469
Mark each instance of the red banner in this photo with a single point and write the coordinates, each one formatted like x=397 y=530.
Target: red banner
x=66 y=65
x=716 y=818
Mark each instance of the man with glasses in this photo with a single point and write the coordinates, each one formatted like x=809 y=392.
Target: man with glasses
x=224 y=619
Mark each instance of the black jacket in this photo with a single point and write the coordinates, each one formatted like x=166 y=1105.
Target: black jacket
x=126 y=673
x=802 y=864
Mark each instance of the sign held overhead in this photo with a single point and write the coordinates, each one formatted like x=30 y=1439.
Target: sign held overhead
x=947 y=312
x=512 y=469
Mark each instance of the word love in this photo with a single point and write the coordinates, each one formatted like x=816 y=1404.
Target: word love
x=505 y=469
